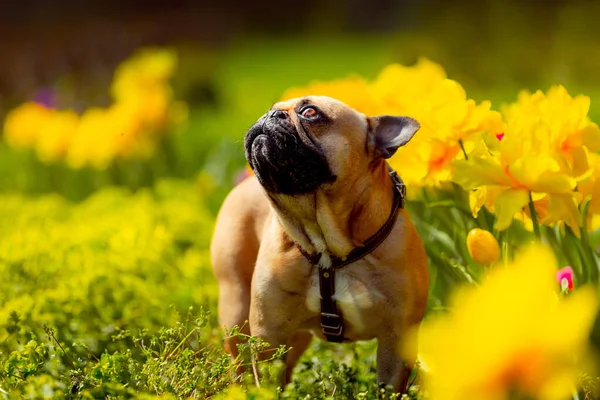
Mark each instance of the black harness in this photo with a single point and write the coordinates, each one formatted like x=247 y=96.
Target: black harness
x=332 y=323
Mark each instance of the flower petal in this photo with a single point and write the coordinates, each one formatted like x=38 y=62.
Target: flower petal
x=507 y=204
x=476 y=172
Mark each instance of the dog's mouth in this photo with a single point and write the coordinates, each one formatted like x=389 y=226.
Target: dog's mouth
x=282 y=162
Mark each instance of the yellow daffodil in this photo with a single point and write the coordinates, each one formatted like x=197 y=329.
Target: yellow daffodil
x=512 y=334
x=542 y=152
x=422 y=91
x=483 y=246
x=511 y=183
x=590 y=187
x=354 y=91
x=565 y=121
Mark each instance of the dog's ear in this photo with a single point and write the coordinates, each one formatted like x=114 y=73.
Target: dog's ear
x=388 y=133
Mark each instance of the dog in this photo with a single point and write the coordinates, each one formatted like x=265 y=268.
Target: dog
x=317 y=242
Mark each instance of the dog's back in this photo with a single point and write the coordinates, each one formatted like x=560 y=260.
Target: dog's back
x=234 y=248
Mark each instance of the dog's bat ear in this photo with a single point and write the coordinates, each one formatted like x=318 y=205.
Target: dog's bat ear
x=388 y=133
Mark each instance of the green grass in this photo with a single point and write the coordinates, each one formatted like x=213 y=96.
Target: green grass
x=114 y=297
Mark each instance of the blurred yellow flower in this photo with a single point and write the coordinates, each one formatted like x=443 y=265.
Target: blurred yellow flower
x=55 y=135
x=93 y=144
x=543 y=152
x=146 y=71
x=23 y=125
x=510 y=335
x=423 y=92
x=130 y=127
x=482 y=246
x=237 y=392
x=354 y=91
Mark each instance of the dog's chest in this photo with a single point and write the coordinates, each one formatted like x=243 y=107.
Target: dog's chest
x=354 y=298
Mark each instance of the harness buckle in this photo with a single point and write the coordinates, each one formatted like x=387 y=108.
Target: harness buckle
x=331 y=324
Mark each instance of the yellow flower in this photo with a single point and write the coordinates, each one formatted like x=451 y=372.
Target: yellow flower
x=446 y=116
x=565 y=121
x=237 y=392
x=129 y=128
x=537 y=154
x=94 y=142
x=590 y=187
x=56 y=134
x=425 y=93
x=399 y=87
x=483 y=246
x=512 y=181
x=353 y=91
x=547 y=149
x=23 y=125
x=510 y=334
x=144 y=72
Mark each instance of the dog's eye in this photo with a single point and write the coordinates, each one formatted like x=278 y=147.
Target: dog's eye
x=310 y=113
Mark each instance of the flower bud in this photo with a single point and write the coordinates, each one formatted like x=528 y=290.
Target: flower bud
x=564 y=277
x=483 y=246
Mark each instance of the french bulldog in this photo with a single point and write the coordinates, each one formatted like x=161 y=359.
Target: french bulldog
x=322 y=204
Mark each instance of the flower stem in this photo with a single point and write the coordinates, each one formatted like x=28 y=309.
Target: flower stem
x=536 y=226
x=462 y=147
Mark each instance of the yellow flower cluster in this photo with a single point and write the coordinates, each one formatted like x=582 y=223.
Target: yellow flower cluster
x=542 y=155
x=512 y=335
x=130 y=127
x=448 y=119
x=540 y=148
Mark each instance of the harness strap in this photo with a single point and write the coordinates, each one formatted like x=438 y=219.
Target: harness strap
x=332 y=323
x=331 y=320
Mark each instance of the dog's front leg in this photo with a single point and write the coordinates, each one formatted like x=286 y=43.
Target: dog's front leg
x=273 y=333
x=393 y=369
x=271 y=320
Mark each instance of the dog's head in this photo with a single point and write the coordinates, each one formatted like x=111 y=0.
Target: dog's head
x=306 y=143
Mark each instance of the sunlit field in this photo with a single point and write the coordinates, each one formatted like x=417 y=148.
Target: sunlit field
x=107 y=210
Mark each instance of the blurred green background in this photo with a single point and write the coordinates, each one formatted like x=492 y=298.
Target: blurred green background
x=237 y=58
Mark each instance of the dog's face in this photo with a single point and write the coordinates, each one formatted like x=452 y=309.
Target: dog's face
x=306 y=143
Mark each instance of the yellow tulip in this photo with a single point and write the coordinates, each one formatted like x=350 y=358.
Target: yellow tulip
x=483 y=246
x=512 y=334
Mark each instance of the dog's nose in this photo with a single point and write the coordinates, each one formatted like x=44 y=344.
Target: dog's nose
x=279 y=114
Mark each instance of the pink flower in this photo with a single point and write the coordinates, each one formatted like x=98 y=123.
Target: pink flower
x=499 y=136
x=564 y=277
